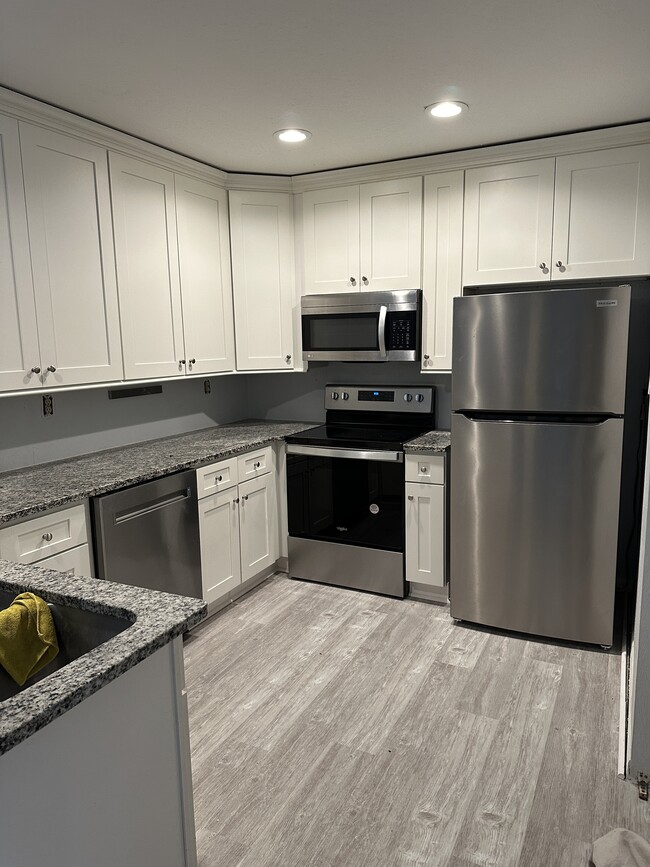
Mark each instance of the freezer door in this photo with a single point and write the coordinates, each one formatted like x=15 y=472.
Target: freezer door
x=562 y=350
x=534 y=526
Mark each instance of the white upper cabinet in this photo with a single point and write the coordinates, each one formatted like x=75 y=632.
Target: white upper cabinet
x=71 y=241
x=363 y=237
x=331 y=240
x=601 y=224
x=508 y=222
x=584 y=215
x=20 y=361
x=261 y=228
x=204 y=261
x=147 y=268
x=442 y=264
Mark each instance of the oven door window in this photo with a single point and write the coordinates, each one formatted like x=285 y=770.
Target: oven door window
x=354 y=502
x=340 y=331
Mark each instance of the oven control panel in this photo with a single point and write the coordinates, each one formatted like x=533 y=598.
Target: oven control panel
x=380 y=398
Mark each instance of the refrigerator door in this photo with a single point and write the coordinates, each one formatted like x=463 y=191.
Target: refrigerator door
x=561 y=350
x=534 y=523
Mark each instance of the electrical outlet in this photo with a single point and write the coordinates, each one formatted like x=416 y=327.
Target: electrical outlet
x=207 y=388
x=48 y=404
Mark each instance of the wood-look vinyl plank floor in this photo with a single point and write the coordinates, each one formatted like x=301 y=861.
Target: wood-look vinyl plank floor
x=331 y=728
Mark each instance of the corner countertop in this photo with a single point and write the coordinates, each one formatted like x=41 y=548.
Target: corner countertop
x=156 y=618
x=27 y=492
x=433 y=442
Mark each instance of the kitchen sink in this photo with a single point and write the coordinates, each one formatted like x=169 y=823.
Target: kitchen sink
x=78 y=631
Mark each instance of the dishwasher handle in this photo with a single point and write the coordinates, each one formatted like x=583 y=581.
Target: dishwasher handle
x=154 y=505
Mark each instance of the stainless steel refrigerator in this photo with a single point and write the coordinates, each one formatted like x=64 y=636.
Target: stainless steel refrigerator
x=547 y=416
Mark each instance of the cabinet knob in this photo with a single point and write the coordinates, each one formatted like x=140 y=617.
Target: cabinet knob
x=47 y=537
x=365 y=281
x=410 y=496
x=35 y=370
x=423 y=469
x=560 y=266
x=220 y=478
x=543 y=267
x=426 y=357
x=181 y=362
x=235 y=500
x=245 y=497
x=52 y=368
x=257 y=465
x=287 y=358
x=353 y=282
x=192 y=361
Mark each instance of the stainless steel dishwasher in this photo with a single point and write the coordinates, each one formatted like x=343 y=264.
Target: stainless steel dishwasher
x=148 y=535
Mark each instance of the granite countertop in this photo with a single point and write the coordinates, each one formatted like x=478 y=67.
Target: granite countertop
x=434 y=442
x=47 y=486
x=156 y=618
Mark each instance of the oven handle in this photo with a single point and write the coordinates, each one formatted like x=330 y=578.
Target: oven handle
x=352 y=454
x=381 y=329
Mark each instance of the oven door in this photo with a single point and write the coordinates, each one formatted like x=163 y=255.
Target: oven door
x=346 y=496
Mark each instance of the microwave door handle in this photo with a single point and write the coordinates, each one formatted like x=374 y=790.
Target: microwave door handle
x=381 y=329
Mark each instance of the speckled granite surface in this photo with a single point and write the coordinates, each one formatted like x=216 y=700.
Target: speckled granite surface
x=435 y=441
x=155 y=618
x=46 y=486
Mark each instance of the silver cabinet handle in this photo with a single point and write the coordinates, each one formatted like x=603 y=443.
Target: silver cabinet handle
x=192 y=361
x=364 y=280
x=245 y=497
x=236 y=500
x=257 y=465
x=410 y=496
x=543 y=267
x=560 y=266
x=220 y=478
x=35 y=370
x=52 y=368
x=287 y=358
x=426 y=357
x=47 y=537
x=423 y=469
x=353 y=282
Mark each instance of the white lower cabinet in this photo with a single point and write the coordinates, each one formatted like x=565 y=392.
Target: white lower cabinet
x=75 y=561
x=238 y=526
x=426 y=527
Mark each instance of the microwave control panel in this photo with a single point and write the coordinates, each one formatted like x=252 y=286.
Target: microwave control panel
x=402 y=330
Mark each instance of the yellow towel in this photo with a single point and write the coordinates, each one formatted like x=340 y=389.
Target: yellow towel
x=27 y=637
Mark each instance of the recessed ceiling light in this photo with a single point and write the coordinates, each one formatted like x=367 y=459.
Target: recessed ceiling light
x=292 y=135
x=449 y=108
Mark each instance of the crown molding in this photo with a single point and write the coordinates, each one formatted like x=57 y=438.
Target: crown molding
x=268 y=183
x=552 y=146
x=59 y=120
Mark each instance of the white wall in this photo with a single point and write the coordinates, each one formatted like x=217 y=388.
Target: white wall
x=87 y=421
x=300 y=396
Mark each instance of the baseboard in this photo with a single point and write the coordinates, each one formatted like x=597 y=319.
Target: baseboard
x=245 y=587
x=425 y=593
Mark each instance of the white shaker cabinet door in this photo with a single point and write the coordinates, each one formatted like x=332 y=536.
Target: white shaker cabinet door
x=390 y=220
x=258 y=527
x=219 y=532
x=425 y=534
x=602 y=214
x=508 y=223
x=71 y=240
x=442 y=266
x=146 y=252
x=204 y=261
x=331 y=240
x=261 y=228
x=20 y=361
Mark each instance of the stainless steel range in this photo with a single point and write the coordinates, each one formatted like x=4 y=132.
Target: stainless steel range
x=345 y=487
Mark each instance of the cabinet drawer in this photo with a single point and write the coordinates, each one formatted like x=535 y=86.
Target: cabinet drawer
x=255 y=463
x=41 y=537
x=425 y=468
x=216 y=477
x=76 y=561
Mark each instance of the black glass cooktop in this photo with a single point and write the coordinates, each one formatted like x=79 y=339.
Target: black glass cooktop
x=350 y=436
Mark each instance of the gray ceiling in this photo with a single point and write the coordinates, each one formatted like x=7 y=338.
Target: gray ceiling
x=213 y=80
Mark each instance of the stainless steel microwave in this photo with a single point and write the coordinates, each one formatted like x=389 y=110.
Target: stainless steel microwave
x=362 y=326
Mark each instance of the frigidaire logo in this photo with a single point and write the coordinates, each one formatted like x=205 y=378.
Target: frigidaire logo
x=342 y=529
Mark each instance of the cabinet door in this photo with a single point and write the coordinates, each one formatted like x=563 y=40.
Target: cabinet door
x=204 y=261
x=425 y=534
x=602 y=214
x=75 y=561
x=263 y=279
x=19 y=350
x=508 y=223
x=219 y=531
x=331 y=240
x=390 y=217
x=443 y=257
x=71 y=240
x=258 y=529
x=147 y=268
